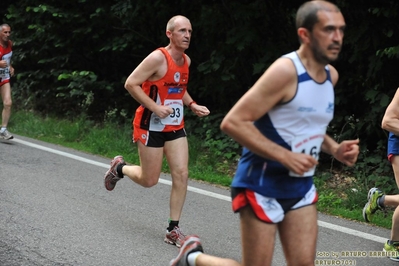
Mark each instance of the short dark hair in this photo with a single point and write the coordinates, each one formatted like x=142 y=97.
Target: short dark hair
x=306 y=16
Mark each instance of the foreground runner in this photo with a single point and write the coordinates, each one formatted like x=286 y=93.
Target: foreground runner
x=282 y=121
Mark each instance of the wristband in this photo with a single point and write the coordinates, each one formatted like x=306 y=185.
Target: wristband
x=191 y=103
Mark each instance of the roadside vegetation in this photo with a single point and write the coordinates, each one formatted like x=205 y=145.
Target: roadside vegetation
x=70 y=71
x=212 y=159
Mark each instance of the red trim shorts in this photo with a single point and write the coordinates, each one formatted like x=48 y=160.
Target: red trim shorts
x=270 y=210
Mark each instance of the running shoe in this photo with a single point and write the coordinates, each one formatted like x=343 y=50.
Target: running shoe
x=392 y=250
x=175 y=237
x=6 y=135
x=111 y=176
x=372 y=205
x=191 y=244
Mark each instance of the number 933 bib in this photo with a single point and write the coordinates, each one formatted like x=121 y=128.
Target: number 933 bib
x=176 y=117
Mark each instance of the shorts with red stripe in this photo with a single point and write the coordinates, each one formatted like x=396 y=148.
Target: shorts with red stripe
x=270 y=210
x=2 y=82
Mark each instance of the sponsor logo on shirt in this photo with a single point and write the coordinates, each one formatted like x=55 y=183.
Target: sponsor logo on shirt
x=306 y=109
x=330 y=108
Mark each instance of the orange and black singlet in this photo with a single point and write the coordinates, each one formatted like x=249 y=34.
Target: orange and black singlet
x=168 y=91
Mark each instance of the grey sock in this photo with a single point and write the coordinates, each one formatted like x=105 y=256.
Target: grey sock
x=380 y=202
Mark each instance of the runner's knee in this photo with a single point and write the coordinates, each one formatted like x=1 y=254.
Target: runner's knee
x=180 y=178
x=7 y=103
x=149 y=182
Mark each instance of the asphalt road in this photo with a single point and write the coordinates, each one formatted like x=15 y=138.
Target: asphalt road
x=54 y=210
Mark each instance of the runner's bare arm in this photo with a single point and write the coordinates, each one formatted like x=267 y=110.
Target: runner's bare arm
x=148 y=69
x=278 y=84
x=390 y=121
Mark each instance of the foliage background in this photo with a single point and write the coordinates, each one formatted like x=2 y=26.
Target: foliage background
x=72 y=58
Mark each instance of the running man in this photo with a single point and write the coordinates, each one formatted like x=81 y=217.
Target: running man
x=281 y=122
x=159 y=84
x=6 y=72
x=377 y=200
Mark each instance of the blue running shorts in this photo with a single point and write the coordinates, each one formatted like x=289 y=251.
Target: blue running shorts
x=393 y=146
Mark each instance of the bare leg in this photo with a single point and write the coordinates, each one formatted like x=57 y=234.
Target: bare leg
x=298 y=234
x=176 y=152
x=395 y=225
x=208 y=260
x=5 y=91
x=393 y=200
x=257 y=241
x=147 y=174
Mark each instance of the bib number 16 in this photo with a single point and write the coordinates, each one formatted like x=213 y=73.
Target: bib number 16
x=308 y=145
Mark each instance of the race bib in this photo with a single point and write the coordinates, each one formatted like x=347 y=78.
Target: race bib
x=309 y=145
x=4 y=73
x=176 y=117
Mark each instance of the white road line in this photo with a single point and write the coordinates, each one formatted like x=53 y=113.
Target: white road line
x=352 y=232
x=203 y=192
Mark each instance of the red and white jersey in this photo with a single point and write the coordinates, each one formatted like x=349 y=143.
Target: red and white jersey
x=5 y=54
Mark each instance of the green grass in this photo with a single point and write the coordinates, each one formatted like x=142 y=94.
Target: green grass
x=108 y=140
